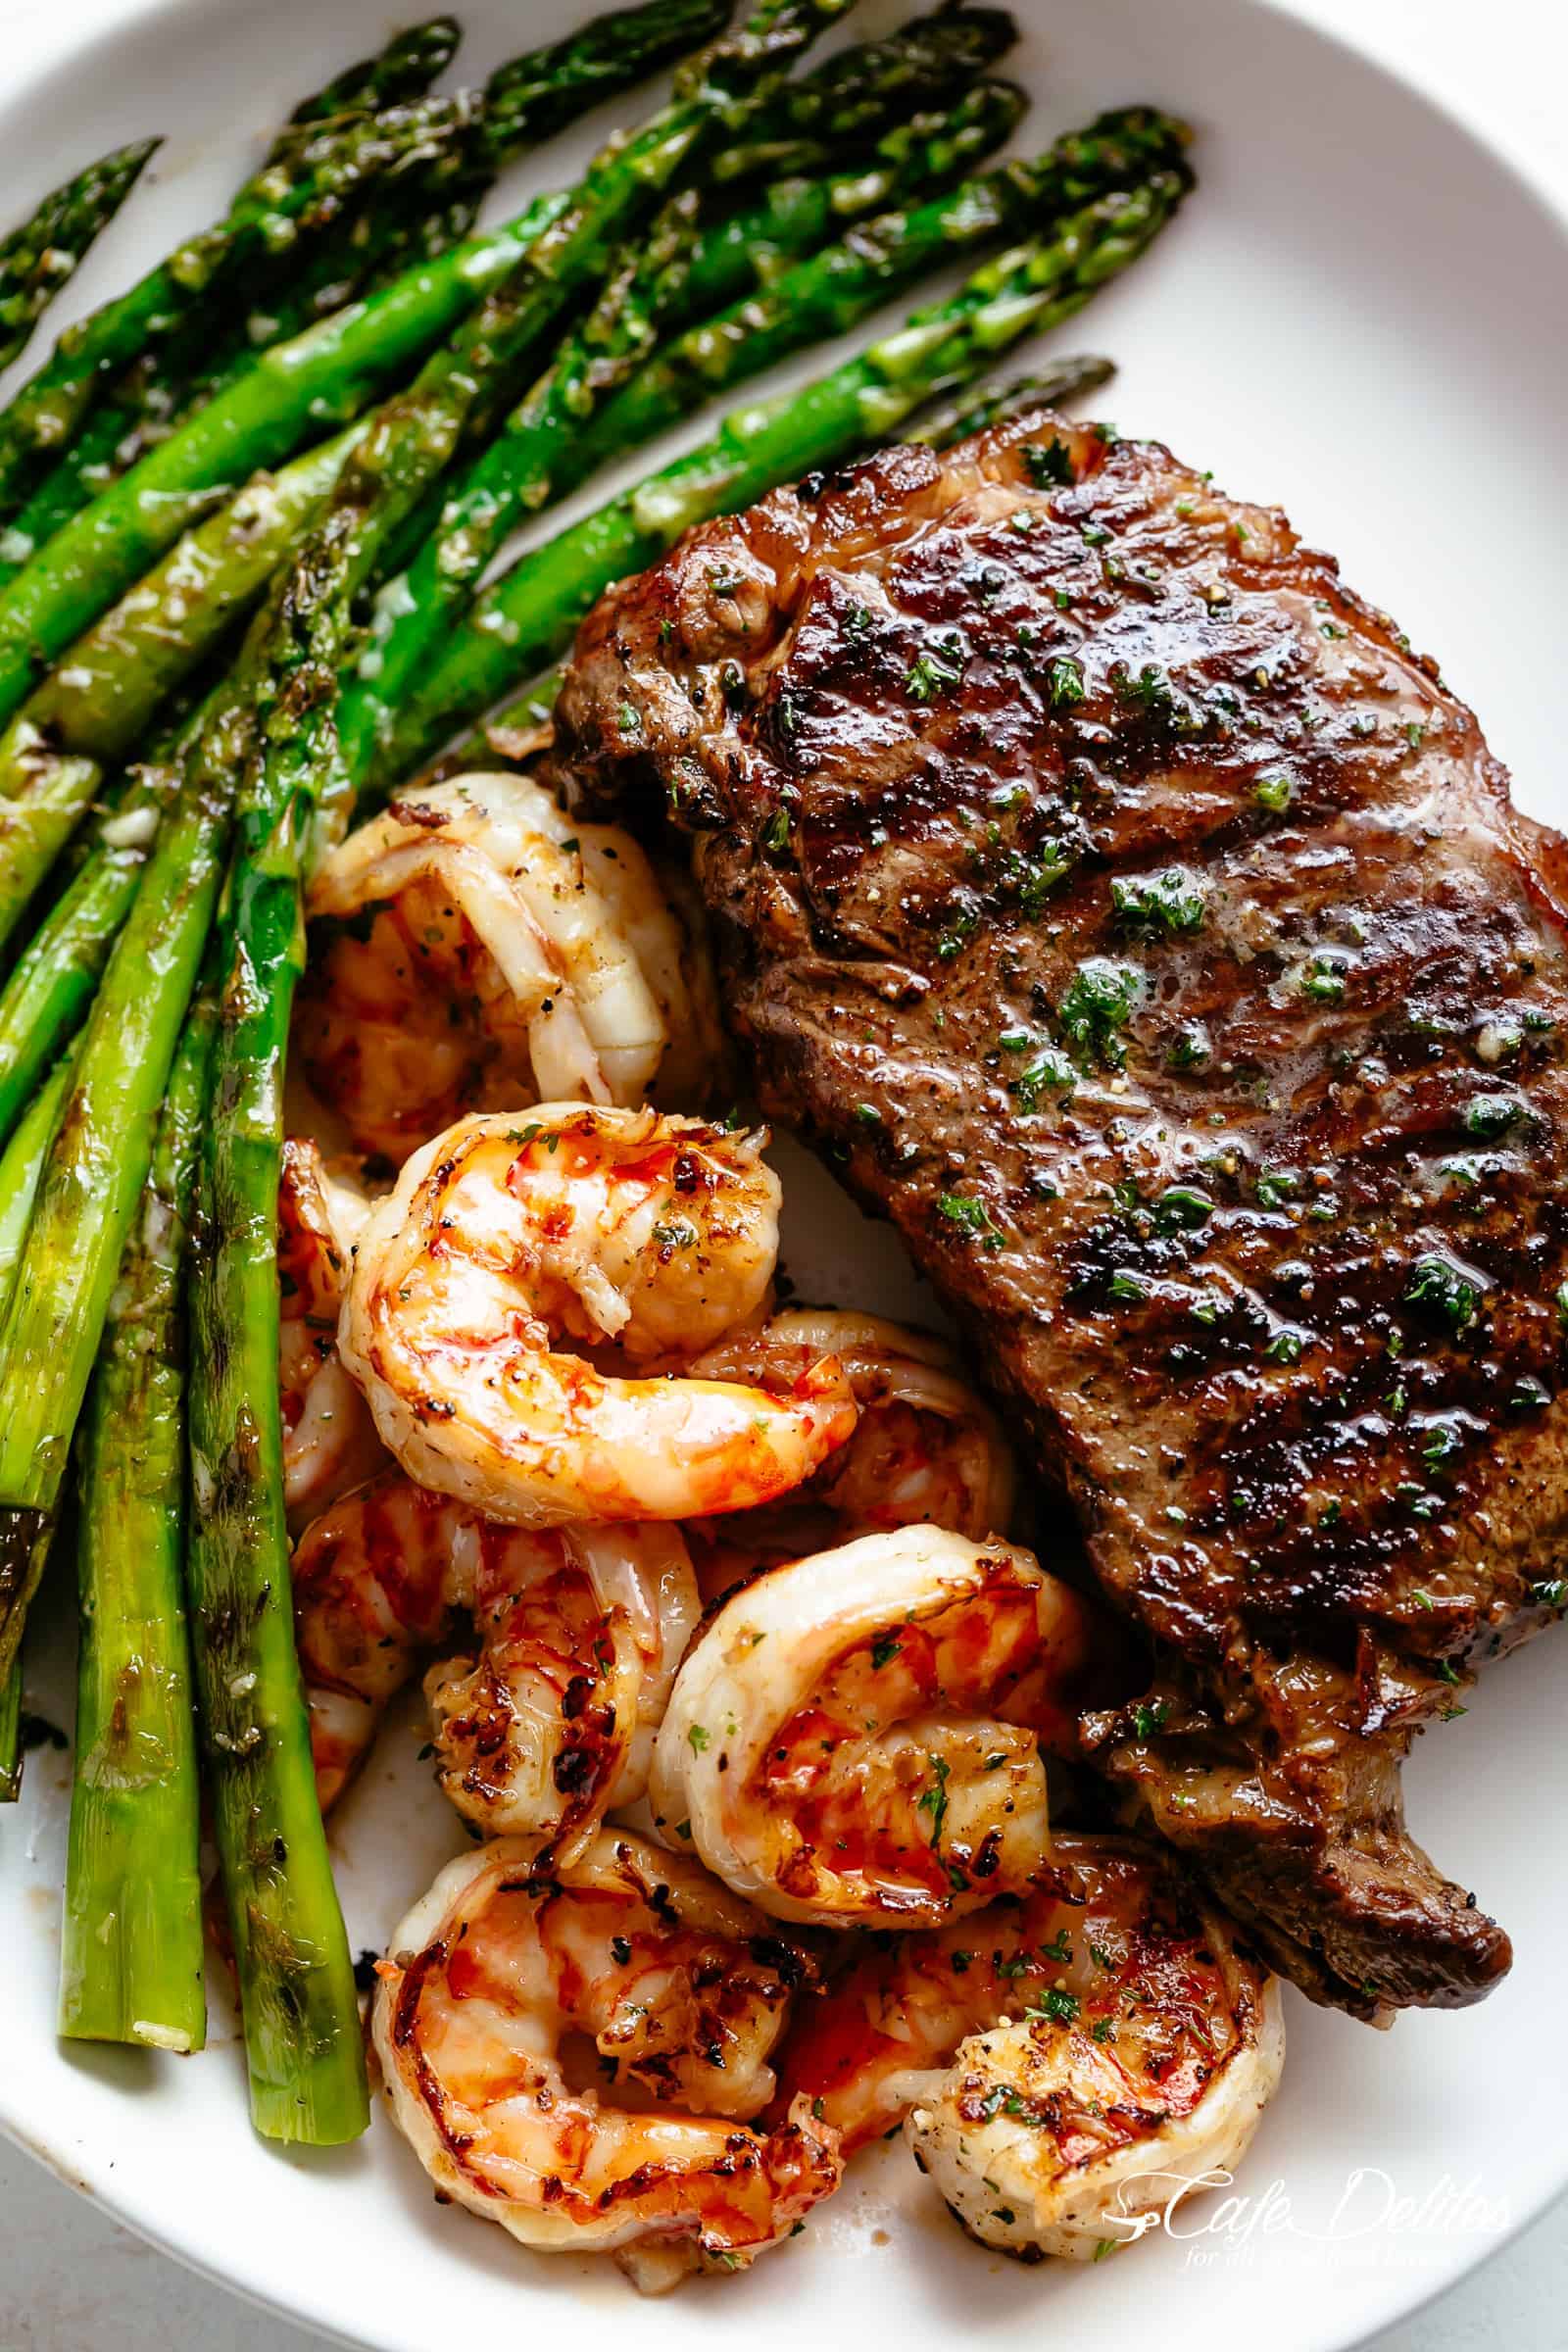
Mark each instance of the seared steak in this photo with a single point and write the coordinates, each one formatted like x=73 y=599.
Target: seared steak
x=1133 y=918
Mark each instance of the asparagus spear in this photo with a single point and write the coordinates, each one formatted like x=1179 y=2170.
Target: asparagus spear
x=823 y=295
x=747 y=251
x=840 y=286
x=20 y=1166
x=533 y=97
x=324 y=376
x=95 y=706
x=974 y=410
x=527 y=616
x=131 y=1962
x=425 y=212
x=47 y=995
x=38 y=257
x=96 y=1170
x=855 y=97
x=11 y=1736
x=409 y=65
x=119 y=672
x=326 y=167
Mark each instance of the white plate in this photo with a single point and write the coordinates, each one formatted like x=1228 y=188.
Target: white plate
x=1361 y=314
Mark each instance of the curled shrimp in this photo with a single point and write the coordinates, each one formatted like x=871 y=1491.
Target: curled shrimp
x=1064 y=2124
x=578 y=1632
x=856 y=1736
x=924 y=1446
x=596 y=1226
x=329 y=1441
x=683 y=1993
x=484 y=949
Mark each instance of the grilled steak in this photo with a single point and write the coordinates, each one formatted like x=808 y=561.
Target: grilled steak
x=1135 y=920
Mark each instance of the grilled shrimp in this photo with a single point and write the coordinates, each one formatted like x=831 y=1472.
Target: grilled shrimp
x=681 y=1991
x=578 y=1633
x=596 y=1226
x=1162 y=2041
x=488 y=951
x=329 y=1441
x=856 y=1736
x=924 y=1448
x=1139 y=2071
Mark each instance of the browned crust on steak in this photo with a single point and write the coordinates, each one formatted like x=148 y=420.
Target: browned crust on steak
x=1270 y=1267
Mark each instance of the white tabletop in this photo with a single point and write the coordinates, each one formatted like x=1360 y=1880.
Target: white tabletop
x=71 y=2280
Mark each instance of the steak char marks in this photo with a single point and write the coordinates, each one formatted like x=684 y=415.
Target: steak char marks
x=1139 y=924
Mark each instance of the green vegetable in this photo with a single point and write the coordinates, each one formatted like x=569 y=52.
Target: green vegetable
x=1172 y=901
x=1438 y=1286
x=131 y=1963
x=1096 y=1006
x=44 y=251
x=20 y=1166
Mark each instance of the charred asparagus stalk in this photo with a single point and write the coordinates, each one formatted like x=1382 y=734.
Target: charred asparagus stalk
x=131 y=1961
x=20 y=1166
x=39 y=257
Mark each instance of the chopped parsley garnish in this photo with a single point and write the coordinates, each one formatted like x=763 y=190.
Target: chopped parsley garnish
x=1324 y=980
x=1287 y=1347
x=884 y=1651
x=1065 y=681
x=1048 y=461
x=1147 y=1720
x=1182 y=1208
x=926 y=677
x=1275 y=1187
x=962 y=1208
x=1099 y=1004
x=934 y=1800
x=1192 y=1049
x=1146 y=689
x=1491 y=1116
x=1438 y=1284
x=1048 y=1072
x=675 y=1234
x=1061 y=2007
x=1171 y=901
x=699 y=1735
x=1273 y=793
x=1058 y=1948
